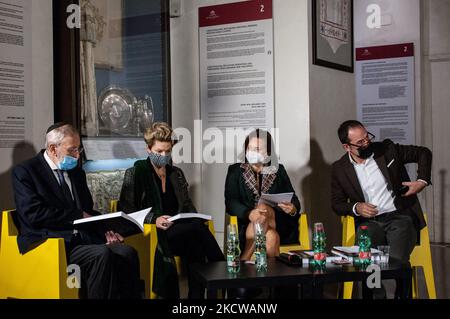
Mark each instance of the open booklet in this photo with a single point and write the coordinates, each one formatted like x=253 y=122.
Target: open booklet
x=303 y=257
x=351 y=252
x=189 y=215
x=275 y=199
x=119 y=222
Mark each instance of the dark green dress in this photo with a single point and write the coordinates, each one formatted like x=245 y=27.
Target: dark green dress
x=140 y=190
x=242 y=195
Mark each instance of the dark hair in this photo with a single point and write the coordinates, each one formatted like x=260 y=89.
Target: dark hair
x=55 y=126
x=345 y=127
x=261 y=134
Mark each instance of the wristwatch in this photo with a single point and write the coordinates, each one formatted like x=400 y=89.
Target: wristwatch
x=293 y=212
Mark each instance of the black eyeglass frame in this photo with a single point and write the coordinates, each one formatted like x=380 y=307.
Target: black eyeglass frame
x=370 y=137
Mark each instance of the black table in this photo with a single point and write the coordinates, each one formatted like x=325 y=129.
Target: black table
x=214 y=276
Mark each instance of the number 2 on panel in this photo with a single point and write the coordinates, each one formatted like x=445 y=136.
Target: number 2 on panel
x=262 y=9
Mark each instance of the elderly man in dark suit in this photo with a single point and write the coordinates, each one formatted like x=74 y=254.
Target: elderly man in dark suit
x=50 y=193
x=371 y=183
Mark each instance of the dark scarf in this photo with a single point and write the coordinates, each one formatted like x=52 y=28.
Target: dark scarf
x=165 y=277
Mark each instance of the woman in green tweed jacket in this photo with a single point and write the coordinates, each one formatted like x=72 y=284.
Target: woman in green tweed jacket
x=156 y=183
x=259 y=174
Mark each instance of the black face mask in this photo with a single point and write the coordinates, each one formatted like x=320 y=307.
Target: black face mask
x=366 y=152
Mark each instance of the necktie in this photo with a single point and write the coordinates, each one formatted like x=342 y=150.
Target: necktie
x=64 y=187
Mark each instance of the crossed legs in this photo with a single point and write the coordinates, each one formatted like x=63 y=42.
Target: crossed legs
x=266 y=216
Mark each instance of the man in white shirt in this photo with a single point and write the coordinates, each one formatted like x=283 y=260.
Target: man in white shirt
x=371 y=183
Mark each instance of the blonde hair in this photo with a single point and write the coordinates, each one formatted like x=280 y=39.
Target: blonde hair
x=161 y=132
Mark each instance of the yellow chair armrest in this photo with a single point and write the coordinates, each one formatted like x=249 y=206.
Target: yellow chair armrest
x=305 y=243
x=113 y=205
x=348 y=230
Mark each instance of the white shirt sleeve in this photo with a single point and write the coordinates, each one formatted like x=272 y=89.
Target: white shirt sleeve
x=421 y=180
x=354 y=210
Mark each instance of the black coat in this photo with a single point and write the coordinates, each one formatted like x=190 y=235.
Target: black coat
x=41 y=209
x=346 y=190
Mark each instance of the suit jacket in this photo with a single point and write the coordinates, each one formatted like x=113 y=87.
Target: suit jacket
x=41 y=209
x=346 y=190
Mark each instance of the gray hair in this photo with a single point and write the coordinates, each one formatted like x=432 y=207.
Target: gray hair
x=58 y=134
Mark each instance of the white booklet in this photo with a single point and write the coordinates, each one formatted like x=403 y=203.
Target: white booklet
x=275 y=199
x=119 y=222
x=351 y=251
x=189 y=215
x=306 y=256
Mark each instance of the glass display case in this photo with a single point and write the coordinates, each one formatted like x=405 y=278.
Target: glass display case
x=123 y=67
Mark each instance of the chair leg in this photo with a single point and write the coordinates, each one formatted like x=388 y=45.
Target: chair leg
x=348 y=290
x=429 y=279
x=415 y=283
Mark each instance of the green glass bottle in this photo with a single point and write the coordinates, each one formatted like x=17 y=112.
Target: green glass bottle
x=364 y=242
x=233 y=250
x=319 y=245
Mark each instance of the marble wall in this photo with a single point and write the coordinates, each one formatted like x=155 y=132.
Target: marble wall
x=105 y=186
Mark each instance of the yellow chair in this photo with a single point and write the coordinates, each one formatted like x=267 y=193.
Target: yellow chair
x=40 y=273
x=304 y=243
x=348 y=239
x=420 y=257
x=145 y=245
x=146 y=251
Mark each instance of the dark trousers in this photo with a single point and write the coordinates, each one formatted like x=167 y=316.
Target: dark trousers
x=396 y=230
x=194 y=243
x=107 y=271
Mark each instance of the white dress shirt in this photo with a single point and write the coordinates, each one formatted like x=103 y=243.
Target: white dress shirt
x=374 y=186
x=55 y=168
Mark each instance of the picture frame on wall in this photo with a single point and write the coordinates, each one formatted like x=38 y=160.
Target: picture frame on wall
x=333 y=42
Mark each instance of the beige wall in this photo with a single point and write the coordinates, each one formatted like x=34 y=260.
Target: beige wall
x=333 y=100
x=40 y=109
x=436 y=111
x=311 y=101
x=291 y=97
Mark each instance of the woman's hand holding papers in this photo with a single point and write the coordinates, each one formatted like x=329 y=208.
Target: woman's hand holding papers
x=288 y=208
x=163 y=223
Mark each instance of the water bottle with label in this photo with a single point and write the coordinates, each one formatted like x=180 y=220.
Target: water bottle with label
x=260 y=247
x=364 y=256
x=233 y=250
x=319 y=245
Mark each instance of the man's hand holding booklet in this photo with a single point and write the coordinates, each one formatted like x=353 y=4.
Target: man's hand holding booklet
x=119 y=222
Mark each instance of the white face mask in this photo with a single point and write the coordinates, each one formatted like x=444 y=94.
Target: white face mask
x=256 y=158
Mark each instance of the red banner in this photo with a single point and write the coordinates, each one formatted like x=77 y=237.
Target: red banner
x=235 y=12
x=385 y=52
